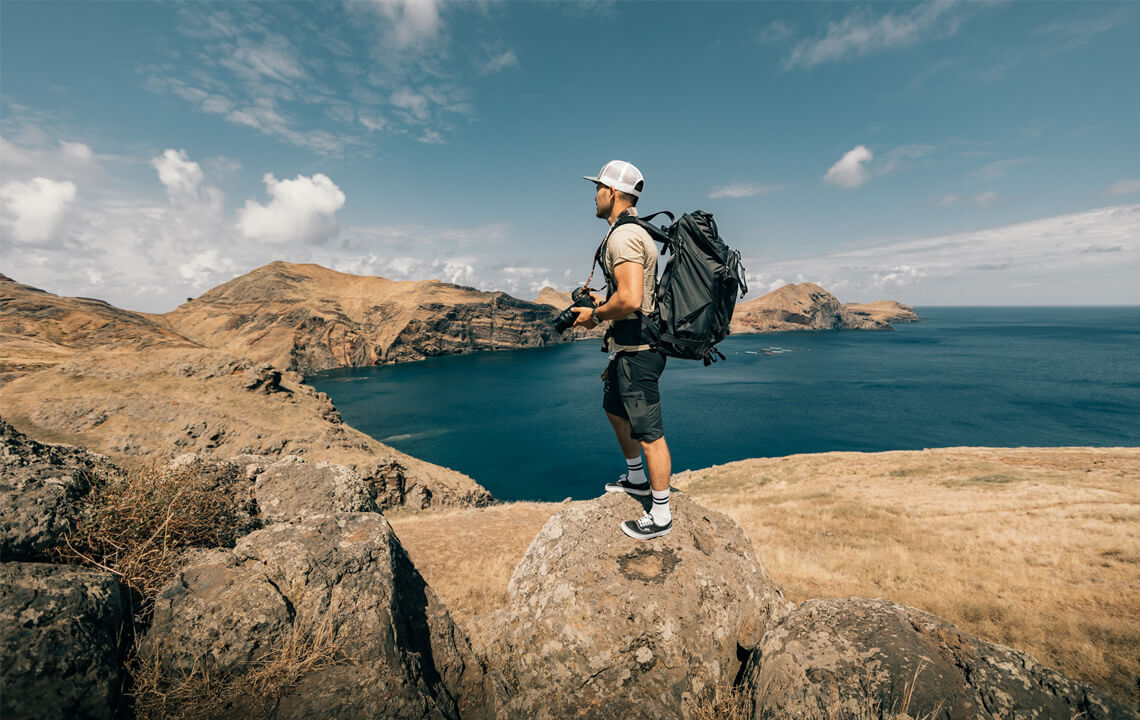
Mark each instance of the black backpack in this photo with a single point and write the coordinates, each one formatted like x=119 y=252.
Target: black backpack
x=698 y=289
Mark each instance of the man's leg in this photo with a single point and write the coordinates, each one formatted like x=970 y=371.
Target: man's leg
x=658 y=462
x=634 y=482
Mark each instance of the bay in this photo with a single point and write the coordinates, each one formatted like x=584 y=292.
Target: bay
x=528 y=424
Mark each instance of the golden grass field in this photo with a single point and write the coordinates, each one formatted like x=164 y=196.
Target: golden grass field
x=1035 y=548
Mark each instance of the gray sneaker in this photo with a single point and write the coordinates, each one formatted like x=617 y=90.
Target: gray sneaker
x=644 y=528
x=624 y=485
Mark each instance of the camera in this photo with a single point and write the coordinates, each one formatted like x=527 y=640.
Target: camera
x=565 y=319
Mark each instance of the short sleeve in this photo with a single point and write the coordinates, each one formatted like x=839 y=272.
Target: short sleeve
x=626 y=245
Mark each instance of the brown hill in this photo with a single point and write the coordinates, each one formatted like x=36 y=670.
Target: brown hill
x=87 y=373
x=39 y=329
x=309 y=318
x=888 y=311
x=806 y=306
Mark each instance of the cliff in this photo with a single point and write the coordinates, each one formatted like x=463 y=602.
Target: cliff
x=806 y=306
x=888 y=311
x=309 y=318
x=127 y=385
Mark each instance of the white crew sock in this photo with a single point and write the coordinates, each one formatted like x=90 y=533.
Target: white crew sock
x=636 y=470
x=660 y=511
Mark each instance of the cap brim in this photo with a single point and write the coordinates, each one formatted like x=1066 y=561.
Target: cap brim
x=591 y=179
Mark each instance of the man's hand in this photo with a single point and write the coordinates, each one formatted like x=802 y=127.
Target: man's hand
x=582 y=318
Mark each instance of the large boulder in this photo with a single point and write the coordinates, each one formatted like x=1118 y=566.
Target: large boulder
x=292 y=488
x=39 y=486
x=59 y=638
x=601 y=626
x=857 y=657
x=342 y=576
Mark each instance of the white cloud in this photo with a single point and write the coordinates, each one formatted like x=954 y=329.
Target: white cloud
x=179 y=174
x=204 y=266
x=851 y=170
x=985 y=199
x=948 y=200
x=1084 y=258
x=896 y=158
x=499 y=62
x=1124 y=186
x=412 y=22
x=998 y=168
x=742 y=190
x=36 y=209
x=863 y=33
x=413 y=103
x=76 y=151
x=776 y=31
x=302 y=210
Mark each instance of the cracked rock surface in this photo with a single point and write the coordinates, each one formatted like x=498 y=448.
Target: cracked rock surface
x=39 y=484
x=399 y=653
x=59 y=642
x=600 y=625
x=839 y=657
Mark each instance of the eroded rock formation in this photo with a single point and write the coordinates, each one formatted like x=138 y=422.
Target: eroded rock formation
x=344 y=576
x=839 y=658
x=806 y=306
x=309 y=318
x=602 y=626
x=60 y=630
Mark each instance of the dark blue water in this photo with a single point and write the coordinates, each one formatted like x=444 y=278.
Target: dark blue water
x=528 y=424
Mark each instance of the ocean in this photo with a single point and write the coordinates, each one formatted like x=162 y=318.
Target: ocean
x=528 y=424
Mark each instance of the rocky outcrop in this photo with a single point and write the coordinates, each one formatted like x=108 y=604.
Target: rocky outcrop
x=602 y=626
x=806 y=306
x=842 y=658
x=888 y=311
x=170 y=402
x=59 y=639
x=344 y=575
x=39 y=485
x=308 y=318
x=292 y=489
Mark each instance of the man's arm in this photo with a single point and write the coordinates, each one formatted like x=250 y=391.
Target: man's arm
x=626 y=299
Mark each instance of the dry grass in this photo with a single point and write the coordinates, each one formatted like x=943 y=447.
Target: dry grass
x=203 y=695
x=137 y=526
x=1038 y=549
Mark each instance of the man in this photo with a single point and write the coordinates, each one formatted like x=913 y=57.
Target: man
x=631 y=398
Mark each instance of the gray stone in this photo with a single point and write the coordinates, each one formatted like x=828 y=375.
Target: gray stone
x=39 y=486
x=857 y=657
x=346 y=575
x=59 y=639
x=600 y=625
x=292 y=488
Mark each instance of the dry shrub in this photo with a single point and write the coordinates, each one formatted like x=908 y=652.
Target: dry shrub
x=204 y=695
x=732 y=703
x=137 y=526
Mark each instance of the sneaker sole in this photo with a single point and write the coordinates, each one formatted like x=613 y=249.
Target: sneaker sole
x=644 y=536
x=628 y=491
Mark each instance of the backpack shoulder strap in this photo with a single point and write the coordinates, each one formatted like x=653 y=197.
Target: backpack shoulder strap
x=660 y=234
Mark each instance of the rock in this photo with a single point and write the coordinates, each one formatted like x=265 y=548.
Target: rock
x=849 y=657
x=39 y=485
x=400 y=654
x=889 y=311
x=264 y=378
x=806 y=306
x=59 y=636
x=292 y=488
x=600 y=625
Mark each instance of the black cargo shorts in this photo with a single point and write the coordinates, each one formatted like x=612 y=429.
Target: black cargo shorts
x=631 y=392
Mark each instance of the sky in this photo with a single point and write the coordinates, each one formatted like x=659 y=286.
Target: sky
x=942 y=153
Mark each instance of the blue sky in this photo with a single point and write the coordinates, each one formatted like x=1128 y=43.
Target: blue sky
x=936 y=153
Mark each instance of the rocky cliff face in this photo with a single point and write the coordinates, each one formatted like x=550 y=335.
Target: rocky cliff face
x=309 y=318
x=889 y=311
x=806 y=306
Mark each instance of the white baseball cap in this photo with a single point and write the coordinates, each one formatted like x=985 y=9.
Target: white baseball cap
x=620 y=175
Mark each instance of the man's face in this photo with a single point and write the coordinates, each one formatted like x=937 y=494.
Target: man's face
x=604 y=201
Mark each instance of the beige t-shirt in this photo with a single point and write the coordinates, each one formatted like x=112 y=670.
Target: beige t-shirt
x=630 y=243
